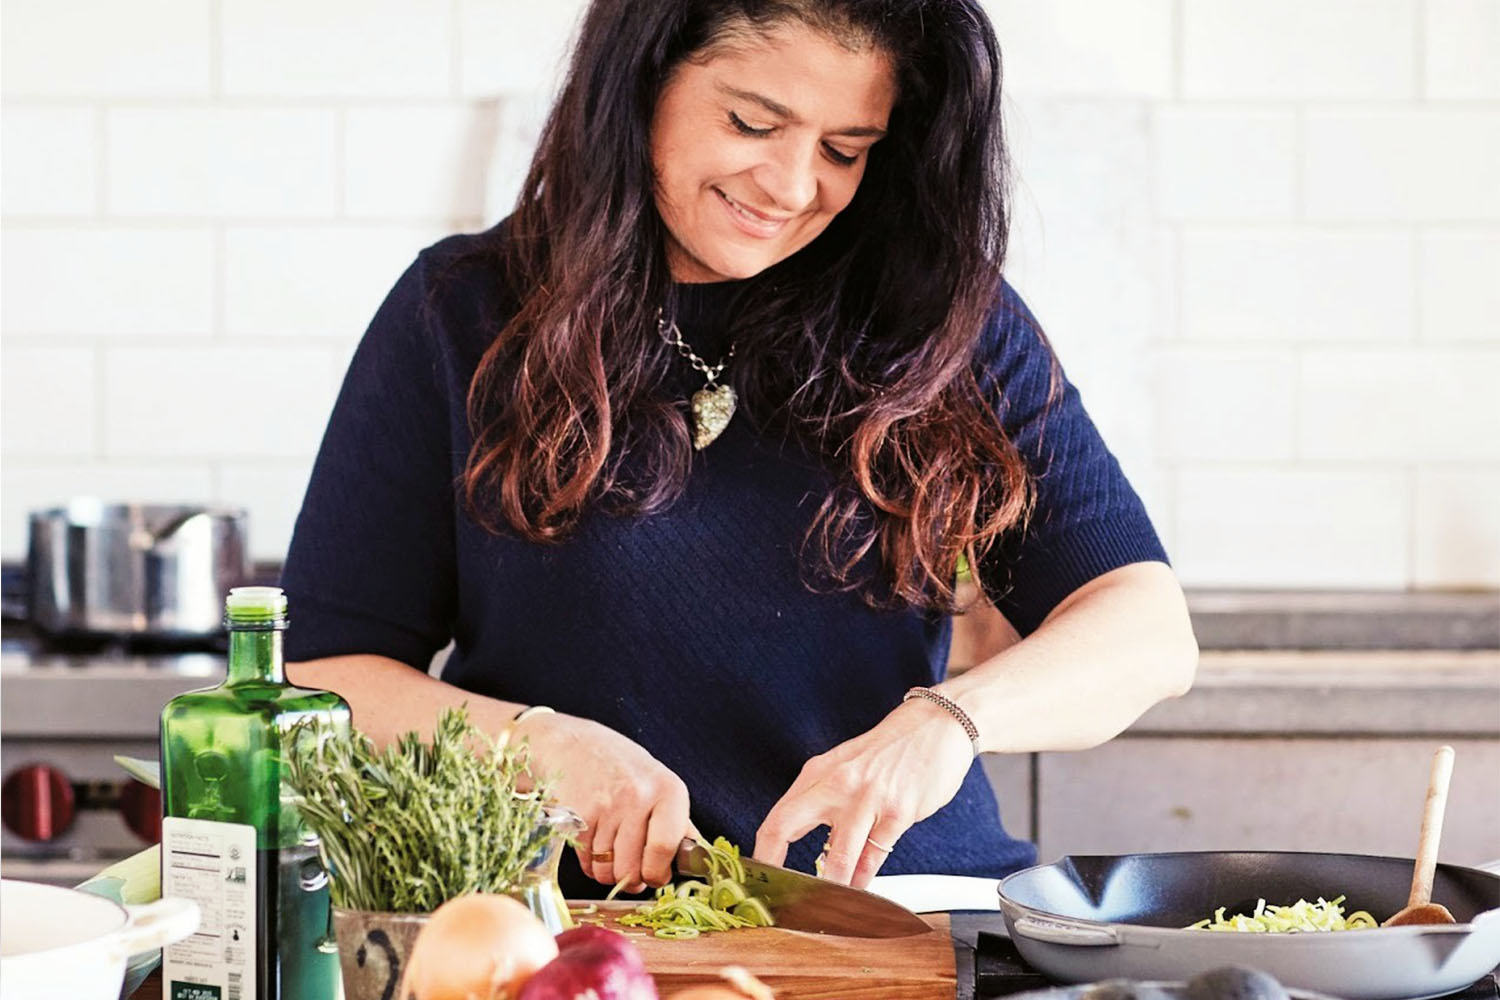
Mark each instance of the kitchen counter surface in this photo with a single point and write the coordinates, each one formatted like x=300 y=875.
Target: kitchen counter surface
x=1449 y=693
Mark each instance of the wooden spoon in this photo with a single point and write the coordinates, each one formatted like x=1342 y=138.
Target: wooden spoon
x=1419 y=908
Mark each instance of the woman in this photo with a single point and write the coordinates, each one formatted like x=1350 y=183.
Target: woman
x=689 y=449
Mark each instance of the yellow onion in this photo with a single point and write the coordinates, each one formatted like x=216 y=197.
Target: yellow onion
x=477 y=947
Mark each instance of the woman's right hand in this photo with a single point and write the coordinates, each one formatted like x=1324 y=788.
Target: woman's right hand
x=636 y=809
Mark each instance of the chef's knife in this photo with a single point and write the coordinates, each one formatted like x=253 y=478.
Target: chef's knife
x=802 y=902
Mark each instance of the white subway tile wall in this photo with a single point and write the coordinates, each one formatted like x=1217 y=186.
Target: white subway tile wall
x=48 y=405
x=94 y=50
x=215 y=162
x=1214 y=402
x=301 y=282
x=1245 y=525
x=1290 y=285
x=418 y=161
x=50 y=162
x=1296 y=50
x=1461 y=37
x=1435 y=164
x=1224 y=164
x=335 y=48
x=1265 y=239
x=106 y=280
x=1457 y=537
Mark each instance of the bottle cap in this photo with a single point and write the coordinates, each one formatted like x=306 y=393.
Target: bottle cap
x=252 y=605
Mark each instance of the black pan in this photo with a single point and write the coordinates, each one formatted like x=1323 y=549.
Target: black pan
x=1082 y=919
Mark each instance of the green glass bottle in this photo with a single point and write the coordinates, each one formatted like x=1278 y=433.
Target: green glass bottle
x=231 y=837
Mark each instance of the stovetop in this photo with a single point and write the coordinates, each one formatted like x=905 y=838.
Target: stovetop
x=98 y=691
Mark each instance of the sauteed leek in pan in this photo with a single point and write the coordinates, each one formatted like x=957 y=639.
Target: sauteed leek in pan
x=1300 y=917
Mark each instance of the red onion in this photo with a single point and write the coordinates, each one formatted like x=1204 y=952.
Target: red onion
x=592 y=964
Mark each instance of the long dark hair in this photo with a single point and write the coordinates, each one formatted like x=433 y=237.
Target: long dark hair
x=864 y=341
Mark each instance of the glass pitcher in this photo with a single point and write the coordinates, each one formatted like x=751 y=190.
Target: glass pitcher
x=538 y=888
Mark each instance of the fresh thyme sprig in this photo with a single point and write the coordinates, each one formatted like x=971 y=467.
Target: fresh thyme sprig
x=409 y=828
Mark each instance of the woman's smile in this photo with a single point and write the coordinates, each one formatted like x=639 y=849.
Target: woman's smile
x=757 y=224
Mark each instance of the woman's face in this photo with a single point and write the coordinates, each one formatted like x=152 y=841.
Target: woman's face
x=757 y=148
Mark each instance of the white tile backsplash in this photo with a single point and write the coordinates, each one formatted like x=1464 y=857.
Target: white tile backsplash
x=1266 y=526
x=1401 y=405
x=209 y=402
x=506 y=48
x=1219 y=165
x=1433 y=165
x=1298 y=49
x=1461 y=39
x=1098 y=235
x=107 y=280
x=1297 y=285
x=336 y=48
x=1264 y=238
x=1217 y=403
x=236 y=162
x=1087 y=48
x=48 y=402
x=1457 y=522
x=273 y=492
x=313 y=281
x=1459 y=282
x=51 y=161
x=96 y=49
x=418 y=162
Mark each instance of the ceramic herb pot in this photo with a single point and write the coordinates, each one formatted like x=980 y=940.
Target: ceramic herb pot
x=374 y=945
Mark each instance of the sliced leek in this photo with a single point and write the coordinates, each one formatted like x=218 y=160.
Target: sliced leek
x=717 y=902
x=1299 y=918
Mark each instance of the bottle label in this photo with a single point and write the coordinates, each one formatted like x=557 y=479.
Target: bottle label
x=212 y=864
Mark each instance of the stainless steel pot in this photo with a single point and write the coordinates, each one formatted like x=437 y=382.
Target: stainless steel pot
x=1082 y=919
x=134 y=570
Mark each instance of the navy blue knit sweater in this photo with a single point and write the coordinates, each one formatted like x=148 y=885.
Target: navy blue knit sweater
x=690 y=631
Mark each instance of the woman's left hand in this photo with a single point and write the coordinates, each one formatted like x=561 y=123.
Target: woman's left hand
x=870 y=790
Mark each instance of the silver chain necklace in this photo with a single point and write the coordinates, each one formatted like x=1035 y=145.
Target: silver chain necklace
x=713 y=405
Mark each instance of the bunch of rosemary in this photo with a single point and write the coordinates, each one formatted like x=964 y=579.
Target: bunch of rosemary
x=409 y=828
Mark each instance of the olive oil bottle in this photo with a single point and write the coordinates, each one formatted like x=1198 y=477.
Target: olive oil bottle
x=231 y=836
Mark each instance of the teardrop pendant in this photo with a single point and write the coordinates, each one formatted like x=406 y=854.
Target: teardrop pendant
x=713 y=408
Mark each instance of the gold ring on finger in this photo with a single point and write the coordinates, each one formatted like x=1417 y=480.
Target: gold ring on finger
x=602 y=857
x=878 y=845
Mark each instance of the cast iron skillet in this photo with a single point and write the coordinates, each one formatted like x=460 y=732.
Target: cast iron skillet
x=1082 y=919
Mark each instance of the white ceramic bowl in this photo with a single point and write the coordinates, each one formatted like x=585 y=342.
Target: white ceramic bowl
x=57 y=942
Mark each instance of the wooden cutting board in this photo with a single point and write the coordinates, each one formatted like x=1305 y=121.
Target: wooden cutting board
x=802 y=966
x=796 y=965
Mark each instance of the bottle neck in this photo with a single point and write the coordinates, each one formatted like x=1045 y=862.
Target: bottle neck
x=255 y=655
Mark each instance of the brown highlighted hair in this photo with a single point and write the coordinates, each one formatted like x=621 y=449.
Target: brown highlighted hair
x=864 y=340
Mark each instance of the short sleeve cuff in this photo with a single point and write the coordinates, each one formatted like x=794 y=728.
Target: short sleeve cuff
x=318 y=630
x=1027 y=588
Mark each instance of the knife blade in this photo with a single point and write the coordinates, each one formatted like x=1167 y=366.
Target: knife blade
x=802 y=902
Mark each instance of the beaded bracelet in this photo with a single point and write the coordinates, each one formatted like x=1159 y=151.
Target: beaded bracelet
x=951 y=707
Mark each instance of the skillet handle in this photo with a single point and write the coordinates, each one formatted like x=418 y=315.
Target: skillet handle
x=1054 y=931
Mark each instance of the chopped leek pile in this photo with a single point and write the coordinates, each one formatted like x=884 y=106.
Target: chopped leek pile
x=719 y=903
x=1300 y=917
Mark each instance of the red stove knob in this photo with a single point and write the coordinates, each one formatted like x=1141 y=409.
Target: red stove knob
x=140 y=805
x=36 y=802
